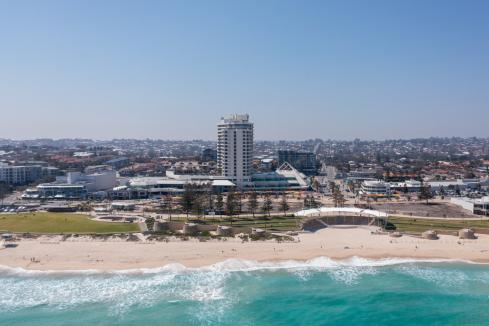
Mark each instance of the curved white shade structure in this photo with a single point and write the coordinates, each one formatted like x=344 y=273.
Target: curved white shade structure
x=340 y=211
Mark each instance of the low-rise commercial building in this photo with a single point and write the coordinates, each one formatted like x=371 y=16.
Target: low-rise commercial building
x=413 y=186
x=459 y=184
x=98 y=181
x=286 y=177
x=479 y=206
x=377 y=187
x=56 y=191
x=408 y=186
x=359 y=176
x=171 y=184
x=75 y=185
x=123 y=206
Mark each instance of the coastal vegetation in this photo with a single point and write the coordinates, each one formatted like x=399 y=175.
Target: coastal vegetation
x=272 y=223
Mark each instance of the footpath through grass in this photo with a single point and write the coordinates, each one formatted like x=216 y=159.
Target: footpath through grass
x=60 y=223
x=420 y=225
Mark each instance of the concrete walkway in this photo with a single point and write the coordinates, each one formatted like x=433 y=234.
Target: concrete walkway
x=143 y=227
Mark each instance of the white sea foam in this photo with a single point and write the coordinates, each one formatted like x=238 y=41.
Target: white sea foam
x=243 y=265
x=211 y=286
x=447 y=278
x=319 y=263
x=118 y=291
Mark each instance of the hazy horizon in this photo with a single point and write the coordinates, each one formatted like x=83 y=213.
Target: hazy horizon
x=303 y=70
x=256 y=140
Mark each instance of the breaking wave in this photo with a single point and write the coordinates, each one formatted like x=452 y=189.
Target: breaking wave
x=213 y=288
x=241 y=265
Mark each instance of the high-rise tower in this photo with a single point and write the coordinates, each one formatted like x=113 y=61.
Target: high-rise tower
x=235 y=148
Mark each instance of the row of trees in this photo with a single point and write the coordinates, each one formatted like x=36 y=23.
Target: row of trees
x=199 y=200
x=338 y=197
x=311 y=202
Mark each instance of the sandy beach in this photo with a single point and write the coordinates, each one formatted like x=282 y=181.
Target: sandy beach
x=51 y=253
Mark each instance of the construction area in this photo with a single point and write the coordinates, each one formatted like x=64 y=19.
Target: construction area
x=432 y=209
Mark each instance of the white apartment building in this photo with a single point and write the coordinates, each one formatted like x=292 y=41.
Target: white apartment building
x=235 y=148
x=19 y=175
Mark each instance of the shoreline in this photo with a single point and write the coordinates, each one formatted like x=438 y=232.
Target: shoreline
x=52 y=254
x=228 y=265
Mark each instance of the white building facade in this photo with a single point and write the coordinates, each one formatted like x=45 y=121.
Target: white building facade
x=98 y=181
x=235 y=148
x=379 y=187
x=19 y=175
x=23 y=174
x=75 y=185
x=479 y=206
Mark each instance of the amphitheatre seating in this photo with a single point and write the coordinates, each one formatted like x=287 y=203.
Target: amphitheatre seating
x=315 y=219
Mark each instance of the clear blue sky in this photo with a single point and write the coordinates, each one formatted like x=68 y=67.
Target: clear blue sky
x=301 y=69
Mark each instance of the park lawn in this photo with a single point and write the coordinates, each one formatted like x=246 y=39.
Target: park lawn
x=420 y=225
x=60 y=223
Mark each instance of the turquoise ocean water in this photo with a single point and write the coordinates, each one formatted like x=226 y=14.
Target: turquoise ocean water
x=319 y=292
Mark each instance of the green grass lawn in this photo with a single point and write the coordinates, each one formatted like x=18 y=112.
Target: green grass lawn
x=60 y=223
x=289 y=223
x=420 y=225
x=273 y=223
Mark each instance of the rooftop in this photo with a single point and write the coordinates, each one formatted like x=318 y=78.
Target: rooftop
x=235 y=118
